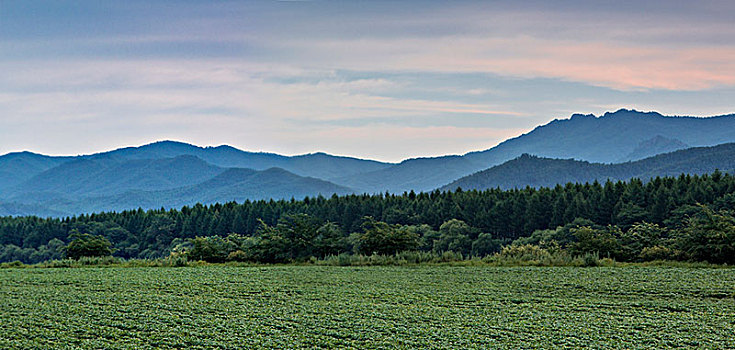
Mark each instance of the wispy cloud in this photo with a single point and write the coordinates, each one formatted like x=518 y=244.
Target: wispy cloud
x=374 y=79
x=618 y=66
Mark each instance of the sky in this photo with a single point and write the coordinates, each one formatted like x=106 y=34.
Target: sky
x=373 y=79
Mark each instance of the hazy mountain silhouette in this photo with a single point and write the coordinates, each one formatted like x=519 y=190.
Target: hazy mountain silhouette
x=418 y=174
x=533 y=171
x=155 y=188
x=174 y=173
x=609 y=138
x=613 y=137
x=16 y=168
x=240 y=184
x=654 y=146
x=21 y=166
x=135 y=177
x=99 y=176
x=319 y=165
x=233 y=184
x=19 y=209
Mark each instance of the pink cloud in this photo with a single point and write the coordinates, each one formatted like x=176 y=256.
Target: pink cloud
x=622 y=66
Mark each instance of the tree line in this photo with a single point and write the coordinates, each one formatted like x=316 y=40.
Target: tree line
x=684 y=217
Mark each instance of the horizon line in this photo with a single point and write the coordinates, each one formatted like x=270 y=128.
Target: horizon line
x=315 y=152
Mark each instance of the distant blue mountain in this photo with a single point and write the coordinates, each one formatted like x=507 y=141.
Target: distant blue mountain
x=19 y=209
x=234 y=184
x=100 y=176
x=608 y=138
x=94 y=184
x=419 y=174
x=164 y=173
x=170 y=173
x=614 y=137
x=16 y=168
x=528 y=170
x=318 y=165
x=653 y=146
x=238 y=184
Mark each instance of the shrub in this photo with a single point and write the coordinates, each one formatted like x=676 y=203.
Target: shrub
x=238 y=255
x=709 y=237
x=86 y=245
x=378 y=237
x=590 y=260
x=656 y=253
x=176 y=261
x=451 y=256
x=82 y=262
x=12 y=264
x=209 y=249
x=639 y=237
x=600 y=241
x=485 y=245
x=527 y=252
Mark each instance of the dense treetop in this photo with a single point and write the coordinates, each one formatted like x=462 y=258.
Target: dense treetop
x=504 y=215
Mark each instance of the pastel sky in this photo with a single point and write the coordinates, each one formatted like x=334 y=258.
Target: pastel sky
x=373 y=79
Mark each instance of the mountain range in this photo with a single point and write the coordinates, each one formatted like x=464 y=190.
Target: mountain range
x=534 y=171
x=611 y=138
x=172 y=174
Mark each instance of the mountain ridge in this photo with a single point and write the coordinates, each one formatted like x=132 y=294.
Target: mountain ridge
x=146 y=172
x=534 y=171
x=214 y=185
x=612 y=137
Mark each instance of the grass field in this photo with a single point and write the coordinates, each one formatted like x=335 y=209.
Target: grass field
x=367 y=307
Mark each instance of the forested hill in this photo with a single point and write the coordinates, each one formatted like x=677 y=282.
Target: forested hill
x=234 y=184
x=21 y=166
x=534 y=171
x=87 y=185
x=319 y=165
x=615 y=137
x=17 y=168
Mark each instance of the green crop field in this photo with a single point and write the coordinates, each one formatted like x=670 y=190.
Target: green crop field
x=366 y=307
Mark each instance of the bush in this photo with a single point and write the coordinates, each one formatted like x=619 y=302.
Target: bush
x=485 y=245
x=210 y=249
x=86 y=245
x=641 y=236
x=590 y=260
x=526 y=252
x=455 y=235
x=533 y=255
x=380 y=238
x=238 y=255
x=176 y=261
x=84 y=261
x=12 y=264
x=600 y=241
x=451 y=256
x=400 y=259
x=417 y=257
x=709 y=237
x=656 y=253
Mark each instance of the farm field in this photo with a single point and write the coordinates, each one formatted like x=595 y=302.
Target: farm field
x=367 y=307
